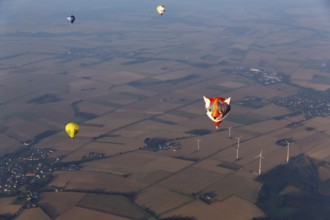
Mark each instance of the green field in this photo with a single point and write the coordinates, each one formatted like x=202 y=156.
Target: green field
x=247 y=132
x=220 y=89
x=44 y=99
x=22 y=115
x=210 y=57
x=245 y=119
x=108 y=103
x=163 y=121
x=184 y=114
x=133 y=95
x=244 y=81
x=312 y=63
x=321 y=79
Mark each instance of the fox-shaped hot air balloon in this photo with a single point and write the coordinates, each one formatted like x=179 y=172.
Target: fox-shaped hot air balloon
x=217 y=108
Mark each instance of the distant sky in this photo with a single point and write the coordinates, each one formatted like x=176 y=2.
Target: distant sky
x=50 y=15
x=16 y=12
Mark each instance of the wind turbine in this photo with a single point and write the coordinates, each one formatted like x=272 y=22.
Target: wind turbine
x=198 y=141
x=237 y=149
x=229 y=129
x=288 y=151
x=260 y=158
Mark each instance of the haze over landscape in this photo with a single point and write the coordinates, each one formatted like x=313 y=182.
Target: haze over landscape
x=134 y=81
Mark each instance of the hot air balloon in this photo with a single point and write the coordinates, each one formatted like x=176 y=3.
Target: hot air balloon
x=72 y=129
x=71 y=19
x=217 y=108
x=161 y=9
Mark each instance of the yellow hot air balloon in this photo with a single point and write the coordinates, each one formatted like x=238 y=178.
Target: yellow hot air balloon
x=161 y=9
x=72 y=129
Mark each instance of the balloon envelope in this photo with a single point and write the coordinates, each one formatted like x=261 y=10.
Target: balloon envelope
x=217 y=108
x=161 y=9
x=71 y=19
x=72 y=129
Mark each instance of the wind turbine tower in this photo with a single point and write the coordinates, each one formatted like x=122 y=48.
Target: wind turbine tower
x=229 y=132
x=237 y=149
x=288 y=152
x=198 y=141
x=260 y=158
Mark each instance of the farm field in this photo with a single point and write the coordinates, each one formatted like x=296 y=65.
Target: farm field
x=227 y=209
x=134 y=81
x=61 y=202
x=35 y=213
x=7 y=206
x=79 y=212
x=115 y=204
